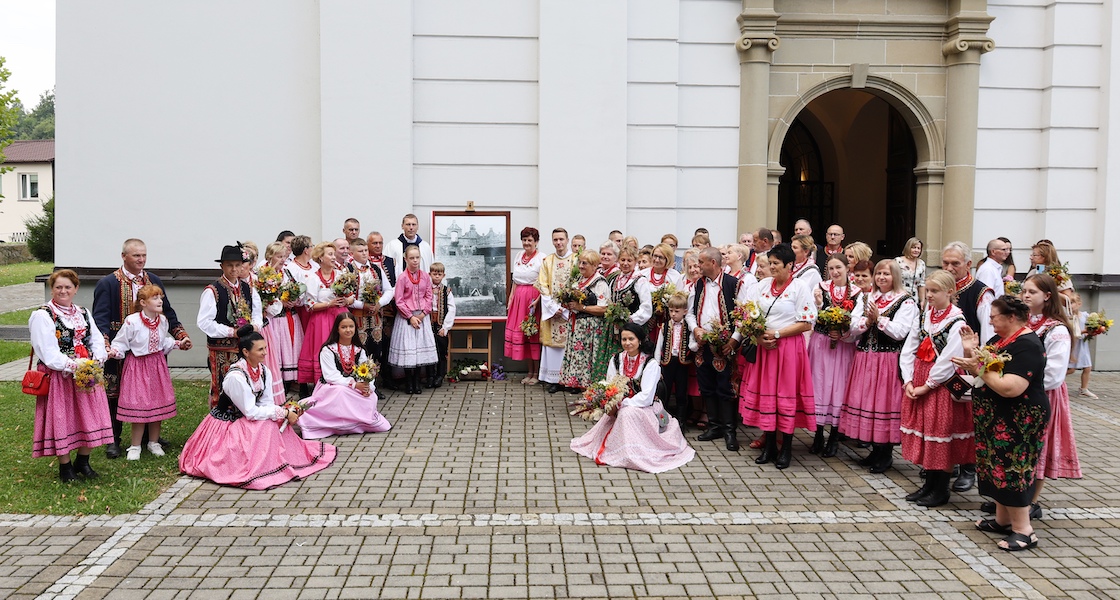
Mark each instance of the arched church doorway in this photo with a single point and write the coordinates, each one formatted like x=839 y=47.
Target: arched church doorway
x=849 y=158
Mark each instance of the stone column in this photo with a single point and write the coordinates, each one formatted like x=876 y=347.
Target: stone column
x=966 y=30
x=930 y=207
x=757 y=43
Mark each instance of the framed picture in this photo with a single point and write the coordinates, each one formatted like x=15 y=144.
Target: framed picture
x=474 y=248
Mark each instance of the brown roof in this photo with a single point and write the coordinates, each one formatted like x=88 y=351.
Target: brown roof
x=29 y=151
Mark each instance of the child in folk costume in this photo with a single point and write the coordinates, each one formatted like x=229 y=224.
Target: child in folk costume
x=147 y=396
x=342 y=403
x=1080 y=359
x=413 y=347
x=443 y=319
x=674 y=356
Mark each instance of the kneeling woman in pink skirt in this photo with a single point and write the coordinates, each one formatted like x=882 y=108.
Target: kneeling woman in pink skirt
x=342 y=404
x=240 y=443
x=642 y=436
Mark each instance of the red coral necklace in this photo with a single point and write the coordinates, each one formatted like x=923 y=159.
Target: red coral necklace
x=630 y=365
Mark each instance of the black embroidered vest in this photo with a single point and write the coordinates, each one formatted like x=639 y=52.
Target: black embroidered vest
x=817 y=327
x=685 y=355
x=65 y=334
x=225 y=313
x=875 y=340
x=225 y=409
x=968 y=300
x=440 y=312
x=729 y=286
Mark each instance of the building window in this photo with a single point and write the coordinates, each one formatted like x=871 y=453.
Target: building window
x=28 y=186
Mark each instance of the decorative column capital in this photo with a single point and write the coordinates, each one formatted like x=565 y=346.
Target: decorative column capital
x=968 y=30
x=757 y=29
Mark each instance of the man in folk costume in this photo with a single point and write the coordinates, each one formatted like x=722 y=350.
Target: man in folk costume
x=975 y=301
x=376 y=244
x=113 y=300
x=370 y=320
x=555 y=325
x=710 y=302
x=225 y=305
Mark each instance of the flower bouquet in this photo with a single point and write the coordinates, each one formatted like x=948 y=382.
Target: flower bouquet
x=530 y=326
x=291 y=291
x=297 y=406
x=268 y=284
x=601 y=399
x=660 y=298
x=371 y=292
x=834 y=318
x=468 y=370
x=617 y=314
x=366 y=371
x=345 y=286
x=571 y=293
x=1012 y=287
x=1060 y=273
x=238 y=313
x=88 y=375
x=991 y=359
x=718 y=336
x=1097 y=324
x=749 y=321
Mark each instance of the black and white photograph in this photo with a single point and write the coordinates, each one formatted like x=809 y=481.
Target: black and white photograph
x=474 y=248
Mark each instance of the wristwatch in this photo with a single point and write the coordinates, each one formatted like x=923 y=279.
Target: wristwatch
x=777 y=334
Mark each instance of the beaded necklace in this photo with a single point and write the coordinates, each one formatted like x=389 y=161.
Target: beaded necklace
x=254 y=373
x=150 y=324
x=416 y=280
x=654 y=280
x=527 y=258
x=630 y=365
x=936 y=316
x=347 y=362
x=1004 y=342
x=326 y=282
x=775 y=291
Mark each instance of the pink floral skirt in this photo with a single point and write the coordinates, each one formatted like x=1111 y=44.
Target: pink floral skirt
x=1059 y=450
x=936 y=430
x=68 y=418
x=147 y=395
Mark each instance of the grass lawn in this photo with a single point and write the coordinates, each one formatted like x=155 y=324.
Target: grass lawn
x=30 y=485
x=23 y=272
x=16 y=317
x=10 y=351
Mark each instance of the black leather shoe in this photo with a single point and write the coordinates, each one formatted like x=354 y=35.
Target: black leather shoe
x=1036 y=511
x=818 y=441
x=871 y=458
x=966 y=480
x=832 y=445
x=81 y=467
x=66 y=473
x=922 y=491
x=553 y=388
x=769 y=449
x=938 y=493
x=988 y=508
x=712 y=433
x=786 y=453
x=112 y=451
x=164 y=443
x=731 y=439
x=886 y=459
x=437 y=382
x=575 y=390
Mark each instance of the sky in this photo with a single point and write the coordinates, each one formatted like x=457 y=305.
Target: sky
x=27 y=42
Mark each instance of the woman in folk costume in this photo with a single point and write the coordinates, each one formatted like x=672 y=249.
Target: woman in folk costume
x=641 y=436
x=872 y=408
x=246 y=440
x=803 y=266
x=323 y=305
x=631 y=290
x=524 y=303
x=582 y=353
x=831 y=351
x=284 y=332
x=413 y=346
x=342 y=402
x=936 y=429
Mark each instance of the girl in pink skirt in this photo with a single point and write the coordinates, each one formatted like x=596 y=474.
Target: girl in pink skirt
x=147 y=396
x=243 y=442
x=777 y=390
x=523 y=302
x=1047 y=319
x=342 y=404
x=936 y=429
x=831 y=352
x=872 y=406
x=635 y=438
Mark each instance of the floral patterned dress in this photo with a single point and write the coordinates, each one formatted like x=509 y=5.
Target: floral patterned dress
x=1009 y=431
x=584 y=359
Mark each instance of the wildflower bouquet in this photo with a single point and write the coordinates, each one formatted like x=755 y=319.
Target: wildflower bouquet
x=1097 y=324
x=268 y=284
x=345 y=286
x=571 y=293
x=617 y=314
x=661 y=297
x=718 y=336
x=238 y=313
x=88 y=375
x=1060 y=273
x=749 y=321
x=601 y=399
x=468 y=370
x=366 y=371
x=530 y=326
x=371 y=292
x=834 y=318
x=991 y=359
x=291 y=291
x=297 y=406
x=1012 y=287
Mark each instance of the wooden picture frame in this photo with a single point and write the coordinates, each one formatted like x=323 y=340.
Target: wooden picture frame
x=474 y=249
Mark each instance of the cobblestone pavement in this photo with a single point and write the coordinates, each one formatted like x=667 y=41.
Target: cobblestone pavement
x=474 y=494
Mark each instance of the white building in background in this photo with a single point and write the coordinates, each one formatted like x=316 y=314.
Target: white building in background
x=27 y=183
x=192 y=125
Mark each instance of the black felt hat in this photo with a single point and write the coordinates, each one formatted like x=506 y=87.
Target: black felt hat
x=234 y=253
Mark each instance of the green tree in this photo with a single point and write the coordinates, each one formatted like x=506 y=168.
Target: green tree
x=39 y=123
x=40 y=233
x=10 y=112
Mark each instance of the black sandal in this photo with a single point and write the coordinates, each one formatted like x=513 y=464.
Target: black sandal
x=992 y=526
x=1018 y=541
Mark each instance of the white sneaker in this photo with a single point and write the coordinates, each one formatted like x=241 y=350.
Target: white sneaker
x=155 y=448
x=1085 y=393
x=133 y=452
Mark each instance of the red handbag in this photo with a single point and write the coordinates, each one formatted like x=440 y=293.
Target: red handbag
x=35 y=382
